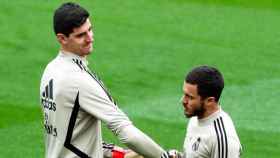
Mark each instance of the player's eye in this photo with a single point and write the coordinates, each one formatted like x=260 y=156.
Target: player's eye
x=189 y=97
x=90 y=29
x=80 y=35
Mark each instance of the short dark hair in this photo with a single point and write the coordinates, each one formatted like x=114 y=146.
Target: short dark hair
x=209 y=81
x=69 y=16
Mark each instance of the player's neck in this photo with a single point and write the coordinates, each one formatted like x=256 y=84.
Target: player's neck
x=67 y=51
x=209 y=110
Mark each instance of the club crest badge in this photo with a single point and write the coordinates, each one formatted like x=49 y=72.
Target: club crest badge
x=195 y=145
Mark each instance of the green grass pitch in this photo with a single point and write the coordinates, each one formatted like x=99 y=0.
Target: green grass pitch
x=142 y=51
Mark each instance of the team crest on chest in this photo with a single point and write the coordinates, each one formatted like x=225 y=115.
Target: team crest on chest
x=195 y=145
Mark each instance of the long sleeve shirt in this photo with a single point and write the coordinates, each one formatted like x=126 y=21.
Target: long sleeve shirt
x=74 y=103
x=212 y=137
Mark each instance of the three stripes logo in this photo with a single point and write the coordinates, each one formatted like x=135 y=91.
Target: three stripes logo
x=221 y=137
x=47 y=97
x=80 y=64
x=95 y=77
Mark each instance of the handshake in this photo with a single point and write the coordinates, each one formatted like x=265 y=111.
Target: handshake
x=172 y=154
x=113 y=151
x=166 y=154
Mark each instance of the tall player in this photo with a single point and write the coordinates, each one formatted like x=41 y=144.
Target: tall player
x=75 y=101
x=210 y=132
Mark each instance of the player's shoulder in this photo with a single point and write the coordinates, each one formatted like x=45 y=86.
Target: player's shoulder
x=227 y=122
x=226 y=117
x=63 y=71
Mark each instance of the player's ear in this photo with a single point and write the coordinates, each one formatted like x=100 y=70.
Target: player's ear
x=62 y=39
x=210 y=100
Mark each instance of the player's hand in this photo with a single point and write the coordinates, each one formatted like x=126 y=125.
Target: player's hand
x=131 y=154
x=171 y=154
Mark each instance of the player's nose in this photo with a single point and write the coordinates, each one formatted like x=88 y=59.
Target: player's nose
x=183 y=100
x=89 y=37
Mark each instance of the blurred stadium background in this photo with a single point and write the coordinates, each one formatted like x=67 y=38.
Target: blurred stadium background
x=142 y=51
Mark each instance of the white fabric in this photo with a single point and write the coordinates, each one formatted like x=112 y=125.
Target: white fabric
x=67 y=80
x=212 y=137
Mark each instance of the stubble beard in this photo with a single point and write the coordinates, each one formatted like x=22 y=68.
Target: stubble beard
x=199 y=111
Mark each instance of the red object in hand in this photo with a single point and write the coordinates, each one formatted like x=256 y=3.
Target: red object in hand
x=118 y=154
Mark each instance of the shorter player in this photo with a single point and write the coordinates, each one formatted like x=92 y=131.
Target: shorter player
x=210 y=132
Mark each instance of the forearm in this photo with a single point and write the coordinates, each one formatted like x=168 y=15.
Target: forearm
x=139 y=142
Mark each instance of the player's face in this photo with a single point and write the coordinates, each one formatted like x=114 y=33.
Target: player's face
x=80 y=40
x=192 y=103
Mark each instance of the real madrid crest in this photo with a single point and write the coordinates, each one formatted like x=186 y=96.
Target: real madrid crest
x=195 y=145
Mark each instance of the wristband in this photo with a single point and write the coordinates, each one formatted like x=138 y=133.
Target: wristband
x=118 y=153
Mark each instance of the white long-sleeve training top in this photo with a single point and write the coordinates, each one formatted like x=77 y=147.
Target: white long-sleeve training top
x=212 y=137
x=75 y=102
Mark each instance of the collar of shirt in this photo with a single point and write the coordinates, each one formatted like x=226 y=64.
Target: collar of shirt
x=72 y=56
x=210 y=118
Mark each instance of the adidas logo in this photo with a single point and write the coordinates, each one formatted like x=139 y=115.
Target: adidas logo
x=47 y=97
x=80 y=64
x=95 y=77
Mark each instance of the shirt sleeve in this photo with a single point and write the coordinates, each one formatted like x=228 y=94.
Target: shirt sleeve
x=94 y=100
x=107 y=149
x=139 y=142
x=232 y=148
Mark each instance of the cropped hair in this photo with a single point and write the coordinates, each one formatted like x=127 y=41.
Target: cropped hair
x=69 y=16
x=209 y=81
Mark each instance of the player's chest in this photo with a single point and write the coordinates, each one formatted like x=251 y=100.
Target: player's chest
x=197 y=146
